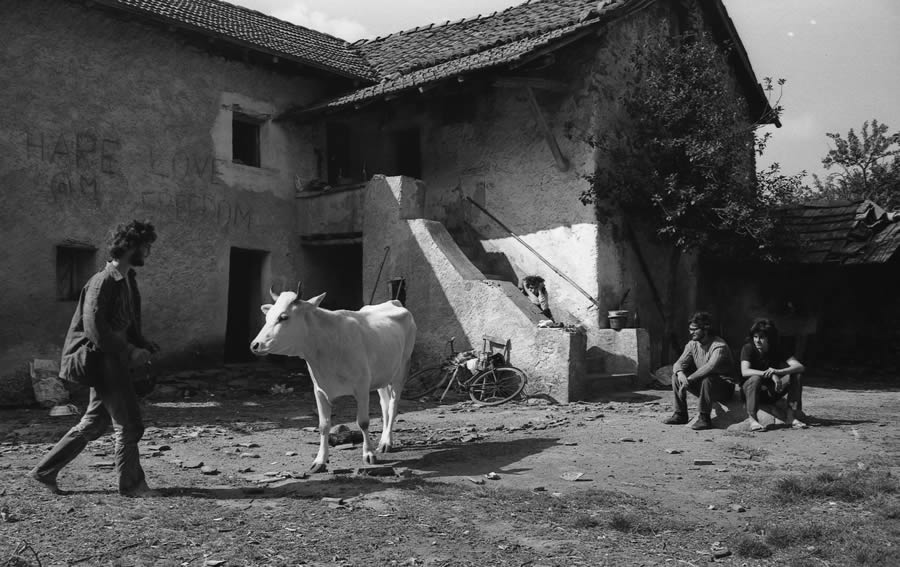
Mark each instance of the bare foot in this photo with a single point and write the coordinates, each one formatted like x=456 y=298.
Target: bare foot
x=48 y=483
x=797 y=424
x=756 y=426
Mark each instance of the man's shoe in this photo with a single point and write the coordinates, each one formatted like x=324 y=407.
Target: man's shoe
x=676 y=419
x=703 y=422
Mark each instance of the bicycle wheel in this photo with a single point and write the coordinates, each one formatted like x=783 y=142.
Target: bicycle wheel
x=497 y=385
x=423 y=382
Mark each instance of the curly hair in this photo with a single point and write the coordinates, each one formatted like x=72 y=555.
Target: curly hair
x=131 y=235
x=532 y=281
x=764 y=327
x=701 y=319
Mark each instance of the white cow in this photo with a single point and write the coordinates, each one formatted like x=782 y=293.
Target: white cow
x=348 y=353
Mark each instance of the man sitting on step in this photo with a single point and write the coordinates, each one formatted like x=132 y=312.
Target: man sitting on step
x=705 y=369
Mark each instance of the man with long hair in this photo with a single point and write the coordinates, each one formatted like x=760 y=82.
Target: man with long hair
x=705 y=369
x=769 y=375
x=109 y=315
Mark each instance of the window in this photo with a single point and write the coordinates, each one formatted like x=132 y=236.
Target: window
x=408 y=153
x=74 y=267
x=245 y=140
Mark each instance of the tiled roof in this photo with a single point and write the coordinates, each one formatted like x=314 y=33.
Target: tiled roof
x=430 y=45
x=421 y=56
x=254 y=30
x=840 y=232
x=499 y=55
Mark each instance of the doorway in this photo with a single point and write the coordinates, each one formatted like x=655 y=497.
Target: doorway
x=245 y=276
x=335 y=268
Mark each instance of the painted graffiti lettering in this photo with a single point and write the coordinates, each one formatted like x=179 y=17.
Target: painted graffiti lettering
x=83 y=150
x=77 y=160
x=85 y=144
x=83 y=186
x=194 y=207
x=185 y=166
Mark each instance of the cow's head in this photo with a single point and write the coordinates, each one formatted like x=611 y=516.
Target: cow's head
x=286 y=329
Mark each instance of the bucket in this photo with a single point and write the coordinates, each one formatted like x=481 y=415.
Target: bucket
x=617 y=319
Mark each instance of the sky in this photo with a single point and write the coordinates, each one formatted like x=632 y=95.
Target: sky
x=840 y=58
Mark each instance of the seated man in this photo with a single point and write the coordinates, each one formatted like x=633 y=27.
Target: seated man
x=769 y=375
x=705 y=369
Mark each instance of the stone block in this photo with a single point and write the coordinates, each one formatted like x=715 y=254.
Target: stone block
x=626 y=351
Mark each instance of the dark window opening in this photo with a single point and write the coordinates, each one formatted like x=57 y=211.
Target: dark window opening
x=345 y=161
x=245 y=140
x=408 y=153
x=74 y=267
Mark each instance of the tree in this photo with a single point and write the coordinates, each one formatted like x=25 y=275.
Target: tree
x=682 y=156
x=682 y=153
x=869 y=167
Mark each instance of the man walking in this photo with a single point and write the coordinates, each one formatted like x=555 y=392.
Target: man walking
x=705 y=369
x=109 y=315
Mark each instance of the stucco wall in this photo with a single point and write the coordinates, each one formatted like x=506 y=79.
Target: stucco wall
x=449 y=296
x=104 y=120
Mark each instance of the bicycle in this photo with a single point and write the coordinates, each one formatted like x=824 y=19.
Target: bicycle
x=491 y=380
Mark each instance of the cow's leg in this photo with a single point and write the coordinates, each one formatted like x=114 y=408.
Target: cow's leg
x=323 y=405
x=362 y=420
x=388 y=400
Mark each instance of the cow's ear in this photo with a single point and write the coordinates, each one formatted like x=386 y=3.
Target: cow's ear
x=315 y=301
x=265 y=308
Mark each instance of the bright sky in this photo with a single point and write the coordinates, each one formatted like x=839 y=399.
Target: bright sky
x=841 y=58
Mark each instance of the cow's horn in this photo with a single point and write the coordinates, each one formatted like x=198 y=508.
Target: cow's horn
x=273 y=294
x=299 y=289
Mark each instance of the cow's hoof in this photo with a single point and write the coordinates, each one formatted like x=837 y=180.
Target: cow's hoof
x=318 y=468
x=384 y=448
x=370 y=459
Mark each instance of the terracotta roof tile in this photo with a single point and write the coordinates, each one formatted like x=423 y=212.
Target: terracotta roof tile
x=254 y=30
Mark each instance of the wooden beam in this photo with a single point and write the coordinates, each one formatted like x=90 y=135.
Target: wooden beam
x=533 y=82
x=561 y=162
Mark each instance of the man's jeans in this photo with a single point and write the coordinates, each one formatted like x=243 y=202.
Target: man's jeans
x=113 y=401
x=709 y=389
x=758 y=391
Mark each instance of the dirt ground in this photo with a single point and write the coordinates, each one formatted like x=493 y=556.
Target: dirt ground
x=592 y=483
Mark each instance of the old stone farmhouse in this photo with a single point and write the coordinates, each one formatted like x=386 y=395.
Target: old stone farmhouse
x=420 y=164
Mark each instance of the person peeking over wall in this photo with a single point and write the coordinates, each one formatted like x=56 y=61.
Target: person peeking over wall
x=533 y=288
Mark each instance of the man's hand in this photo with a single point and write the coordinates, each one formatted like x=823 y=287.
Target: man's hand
x=770 y=373
x=139 y=357
x=681 y=380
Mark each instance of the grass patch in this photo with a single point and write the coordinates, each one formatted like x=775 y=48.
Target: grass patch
x=848 y=487
x=795 y=533
x=630 y=523
x=749 y=546
x=583 y=521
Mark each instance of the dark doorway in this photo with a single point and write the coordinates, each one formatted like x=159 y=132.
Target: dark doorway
x=408 y=153
x=335 y=268
x=245 y=275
